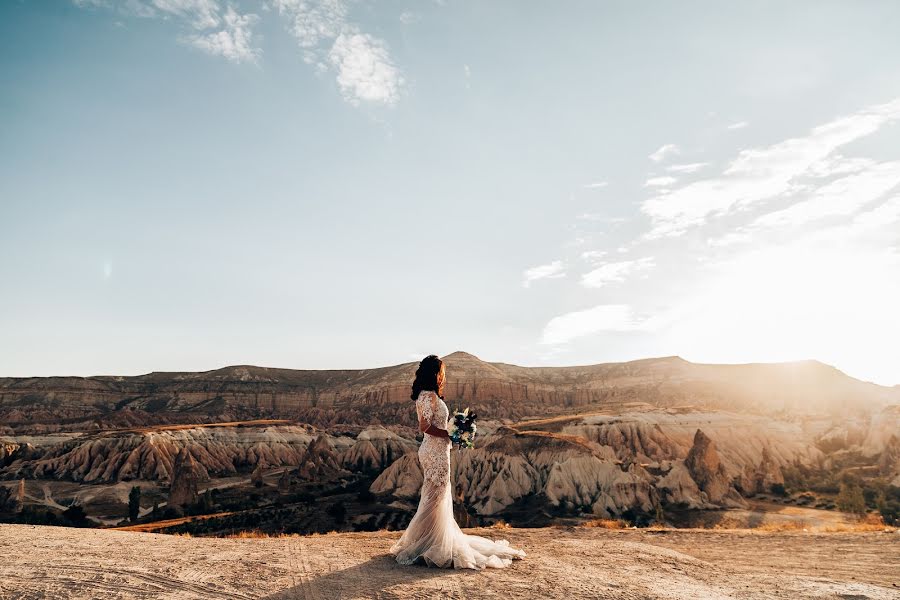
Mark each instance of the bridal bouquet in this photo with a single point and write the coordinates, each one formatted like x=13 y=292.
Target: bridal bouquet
x=463 y=428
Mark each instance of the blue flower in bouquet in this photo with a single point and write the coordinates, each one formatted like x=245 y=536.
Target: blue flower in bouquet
x=463 y=428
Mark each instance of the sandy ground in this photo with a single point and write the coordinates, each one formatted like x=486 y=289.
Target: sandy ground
x=51 y=562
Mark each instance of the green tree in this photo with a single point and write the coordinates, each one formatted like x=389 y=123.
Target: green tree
x=337 y=511
x=851 y=499
x=134 y=503
x=76 y=516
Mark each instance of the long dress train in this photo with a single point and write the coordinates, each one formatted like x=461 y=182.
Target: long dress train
x=433 y=535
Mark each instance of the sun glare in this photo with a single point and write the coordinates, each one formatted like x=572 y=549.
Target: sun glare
x=796 y=302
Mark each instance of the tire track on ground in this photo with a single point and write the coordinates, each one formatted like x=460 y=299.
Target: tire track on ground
x=156 y=583
x=301 y=573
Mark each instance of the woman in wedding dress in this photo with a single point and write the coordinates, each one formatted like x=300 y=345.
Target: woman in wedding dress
x=433 y=537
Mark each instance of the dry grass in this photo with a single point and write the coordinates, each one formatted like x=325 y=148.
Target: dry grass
x=867 y=523
x=784 y=526
x=606 y=524
x=501 y=525
x=255 y=533
x=730 y=523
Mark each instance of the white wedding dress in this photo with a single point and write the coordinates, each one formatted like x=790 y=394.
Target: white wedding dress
x=433 y=535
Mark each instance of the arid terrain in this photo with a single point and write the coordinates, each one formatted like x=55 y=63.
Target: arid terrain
x=564 y=563
x=657 y=441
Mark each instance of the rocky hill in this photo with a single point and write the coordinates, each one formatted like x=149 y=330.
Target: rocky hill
x=644 y=440
x=47 y=404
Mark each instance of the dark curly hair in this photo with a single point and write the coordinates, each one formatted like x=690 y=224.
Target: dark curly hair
x=427 y=377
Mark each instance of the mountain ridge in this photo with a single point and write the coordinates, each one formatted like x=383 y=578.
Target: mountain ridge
x=381 y=394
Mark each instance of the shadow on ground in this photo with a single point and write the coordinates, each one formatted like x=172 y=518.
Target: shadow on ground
x=369 y=579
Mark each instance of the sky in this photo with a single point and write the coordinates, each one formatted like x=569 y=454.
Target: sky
x=190 y=184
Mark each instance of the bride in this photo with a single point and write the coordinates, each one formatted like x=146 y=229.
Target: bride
x=433 y=537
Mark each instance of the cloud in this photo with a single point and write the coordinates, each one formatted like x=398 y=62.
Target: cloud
x=686 y=168
x=615 y=272
x=841 y=197
x=362 y=64
x=660 y=181
x=365 y=72
x=408 y=17
x=234 y=41
x=664 y=152
x=605 y=317
x=592 y=255
x=759 y=174
x=738 y=125
x=312 y=22
x=879 y=217
x=595 y=185
x=553 y=270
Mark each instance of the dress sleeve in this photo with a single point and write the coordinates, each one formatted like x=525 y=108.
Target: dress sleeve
x=425 y=408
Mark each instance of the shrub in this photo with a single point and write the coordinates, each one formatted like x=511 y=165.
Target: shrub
x=778 y=489
x=337 y=511
x=134 y=503
x=851 y=499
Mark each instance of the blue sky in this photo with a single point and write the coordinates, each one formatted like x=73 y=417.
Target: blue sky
x=187 y=184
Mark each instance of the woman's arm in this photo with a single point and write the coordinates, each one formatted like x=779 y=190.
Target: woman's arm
x=432 y=430
x=426 y=427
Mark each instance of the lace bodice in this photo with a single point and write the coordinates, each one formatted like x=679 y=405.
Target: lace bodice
x=433 y=409
x=434 y=453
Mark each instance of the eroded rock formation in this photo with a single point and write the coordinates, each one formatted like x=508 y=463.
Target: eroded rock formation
x=320 y=461
x=185 y=480
x=375 y=448
x=703 y=463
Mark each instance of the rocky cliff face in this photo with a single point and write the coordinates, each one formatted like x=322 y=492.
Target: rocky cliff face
x=381 y=395
x=150 y=454
x=576 y=473
x=762 y=478
x=376 y=448
x=565 y=472
x=320 y=461
x=703 y=463
x=185 y=480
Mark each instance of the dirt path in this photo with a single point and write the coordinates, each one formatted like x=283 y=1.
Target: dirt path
x=565 y=563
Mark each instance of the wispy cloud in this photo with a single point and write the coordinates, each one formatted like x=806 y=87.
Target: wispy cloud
x=759 y=174
x=664 y=152
x=362 y=63
x=214 y=30
x=234 y=41
x=595 y=185
x=605 y=317
x=844 y=196
x=613 y=272
x=553 y=270
x=738 y=125
x=593 y=255
x=660 y=181
x=686 y=168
